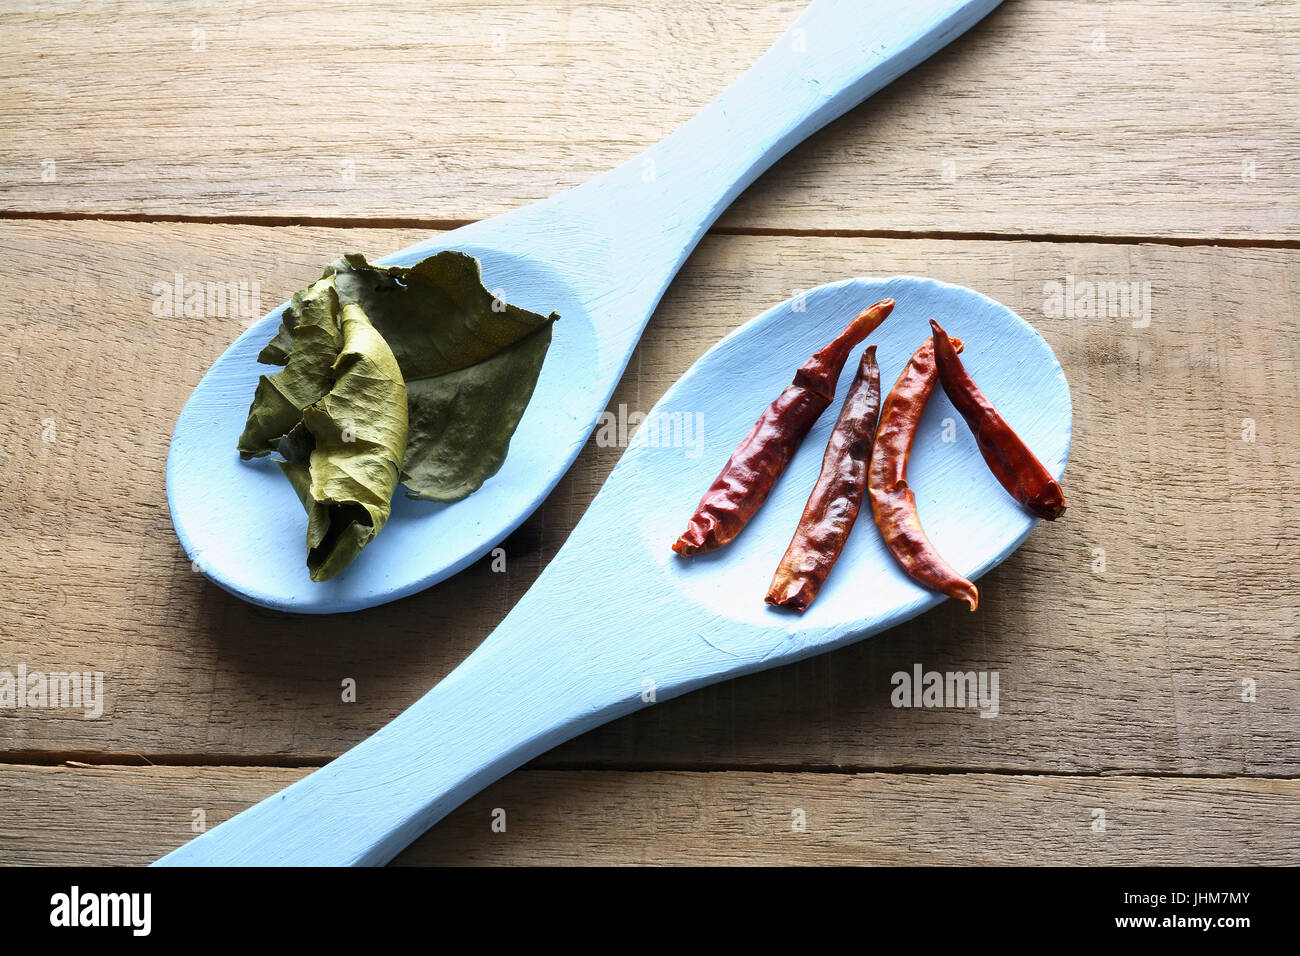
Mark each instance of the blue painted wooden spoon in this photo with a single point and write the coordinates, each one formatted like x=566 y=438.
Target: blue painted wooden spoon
x=601 y=255
x=617 y=620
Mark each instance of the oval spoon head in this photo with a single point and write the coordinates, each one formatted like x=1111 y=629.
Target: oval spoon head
x=972 y=521
x=242 y=525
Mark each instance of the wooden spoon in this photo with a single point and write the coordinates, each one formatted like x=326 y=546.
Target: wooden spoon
x=617 y=621
x=601 y=255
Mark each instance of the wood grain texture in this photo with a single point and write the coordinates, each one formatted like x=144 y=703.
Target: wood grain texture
x=126 y=816
x=1053 y=117
x=1139 y=668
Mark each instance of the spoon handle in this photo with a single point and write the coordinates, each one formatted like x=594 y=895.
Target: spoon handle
x=581 y=648
x=636 y=224
x=838 y=53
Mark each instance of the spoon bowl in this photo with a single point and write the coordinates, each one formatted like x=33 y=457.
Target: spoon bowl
x=600 y=254
x=968 y=516
x=617 y=622
x=242 y=525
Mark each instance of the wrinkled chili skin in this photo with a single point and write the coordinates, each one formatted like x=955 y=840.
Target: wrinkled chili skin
x=746 y=480
x=892 y=502
x=833 y=506
x=1008 y=457
x=744 y=484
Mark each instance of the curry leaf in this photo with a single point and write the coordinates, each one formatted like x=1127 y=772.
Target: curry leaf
x=342 y=458
x=419 y=373
x=470 y=362
x=337 y=416
x=312 y=323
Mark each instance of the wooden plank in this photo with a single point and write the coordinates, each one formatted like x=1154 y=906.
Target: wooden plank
x=127 y=816
x=1140 y=667
x=1052 y=117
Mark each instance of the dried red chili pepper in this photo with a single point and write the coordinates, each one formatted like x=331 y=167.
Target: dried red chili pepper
x=892 y=502
x=836 y=498
x=745 y=481
x=1008 y=457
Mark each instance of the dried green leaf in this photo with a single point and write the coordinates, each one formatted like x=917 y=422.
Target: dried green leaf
x=353 y=438
x=337 y=415
x=470 y=362
x=414 y=372
x=312 y=321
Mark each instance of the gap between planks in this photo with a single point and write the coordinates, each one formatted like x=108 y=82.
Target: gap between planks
x=446 y=225
x=134 y=761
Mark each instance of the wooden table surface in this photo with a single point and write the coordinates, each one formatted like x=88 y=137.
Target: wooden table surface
x=1146 y=646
